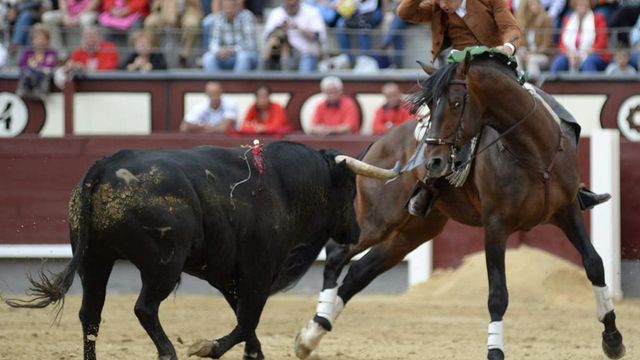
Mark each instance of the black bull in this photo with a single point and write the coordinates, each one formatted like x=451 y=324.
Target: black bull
x=174 y=211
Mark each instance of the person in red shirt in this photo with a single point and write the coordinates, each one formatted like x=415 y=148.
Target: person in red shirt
x=393 y=112
x=265 y=116
x=337 y=114
x=94 y=54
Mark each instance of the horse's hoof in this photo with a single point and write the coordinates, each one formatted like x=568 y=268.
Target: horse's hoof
x=612 y=345
x=614 y=352
x=300 y=349
x=202 y=348
x=495 y=354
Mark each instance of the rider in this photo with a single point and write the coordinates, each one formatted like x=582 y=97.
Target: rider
x=460 y=24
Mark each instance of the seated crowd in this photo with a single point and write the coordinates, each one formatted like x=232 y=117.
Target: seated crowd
x=335 y=114
x=239 y=35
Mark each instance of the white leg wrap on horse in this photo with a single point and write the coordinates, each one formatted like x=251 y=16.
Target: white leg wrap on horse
x=494 y=341
x=603 y=301
x=326 y=303
x=312 y=334
x=337 y=310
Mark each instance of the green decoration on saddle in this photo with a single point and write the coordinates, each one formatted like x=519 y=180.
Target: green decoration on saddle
x=457 y=56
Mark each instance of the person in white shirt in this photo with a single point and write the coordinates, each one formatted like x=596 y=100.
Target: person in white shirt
x=233 y=44
x=216 y=114
x=305 y=33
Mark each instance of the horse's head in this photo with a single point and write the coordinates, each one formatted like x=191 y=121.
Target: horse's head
x=452 y=110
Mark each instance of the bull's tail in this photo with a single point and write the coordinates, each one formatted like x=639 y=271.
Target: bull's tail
x=50 y=288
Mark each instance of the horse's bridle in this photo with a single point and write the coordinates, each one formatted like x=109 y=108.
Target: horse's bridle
x=454 y=144
x=457 y=132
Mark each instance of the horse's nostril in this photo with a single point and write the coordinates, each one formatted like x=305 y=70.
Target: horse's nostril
x=435 y=164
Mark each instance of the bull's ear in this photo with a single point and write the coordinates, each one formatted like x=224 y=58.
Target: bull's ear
x=426 y=68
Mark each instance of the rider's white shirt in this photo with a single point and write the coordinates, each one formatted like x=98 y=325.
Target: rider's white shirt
x=462 y=9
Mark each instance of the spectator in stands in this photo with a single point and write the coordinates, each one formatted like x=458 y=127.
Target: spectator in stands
x=36 y=65
x=620 y=65
x=143 y=58
x=393 y=112
x=233 y=43
x=537 y=43
x=583 y=42
x=215 y=6
x=368 y=15
x=122 y=15
x=337 y=113
x=302 y=28
x=23 y=15
x=93 y=54
x=185 y=15
x=265 y=116
x=71 y=14
x=215 y=115
x=328 y=10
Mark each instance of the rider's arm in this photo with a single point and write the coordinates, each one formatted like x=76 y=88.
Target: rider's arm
x=415 y=11
x=507 y=24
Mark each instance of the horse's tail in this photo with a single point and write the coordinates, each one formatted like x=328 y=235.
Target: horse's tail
x=51 y=288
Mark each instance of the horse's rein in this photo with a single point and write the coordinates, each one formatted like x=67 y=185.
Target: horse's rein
x=500 y=136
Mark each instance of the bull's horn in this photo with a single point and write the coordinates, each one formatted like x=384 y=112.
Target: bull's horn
x=368 y=170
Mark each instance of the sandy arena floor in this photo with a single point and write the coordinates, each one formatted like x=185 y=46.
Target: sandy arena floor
x=551 y=316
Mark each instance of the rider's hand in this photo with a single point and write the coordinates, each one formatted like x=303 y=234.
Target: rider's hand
x=505 y=50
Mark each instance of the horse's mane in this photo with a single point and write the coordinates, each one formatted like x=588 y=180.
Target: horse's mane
x=431 y=88
x=435 y=85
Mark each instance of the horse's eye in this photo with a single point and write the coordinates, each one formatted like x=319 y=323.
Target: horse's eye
x=456 y=104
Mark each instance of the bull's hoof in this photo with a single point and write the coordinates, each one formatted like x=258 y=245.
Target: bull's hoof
x=612 y=345
x=495 y=354
x=203 y=348
x=300 y=349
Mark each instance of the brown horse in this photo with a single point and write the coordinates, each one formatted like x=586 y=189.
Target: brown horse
x=525 y=173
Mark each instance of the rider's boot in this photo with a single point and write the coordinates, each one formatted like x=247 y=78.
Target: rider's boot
x=588 y=199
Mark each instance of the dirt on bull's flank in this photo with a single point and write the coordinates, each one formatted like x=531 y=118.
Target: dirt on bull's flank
x=551 y=315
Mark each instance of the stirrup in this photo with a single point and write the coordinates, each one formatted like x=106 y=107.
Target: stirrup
x=588 y=199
